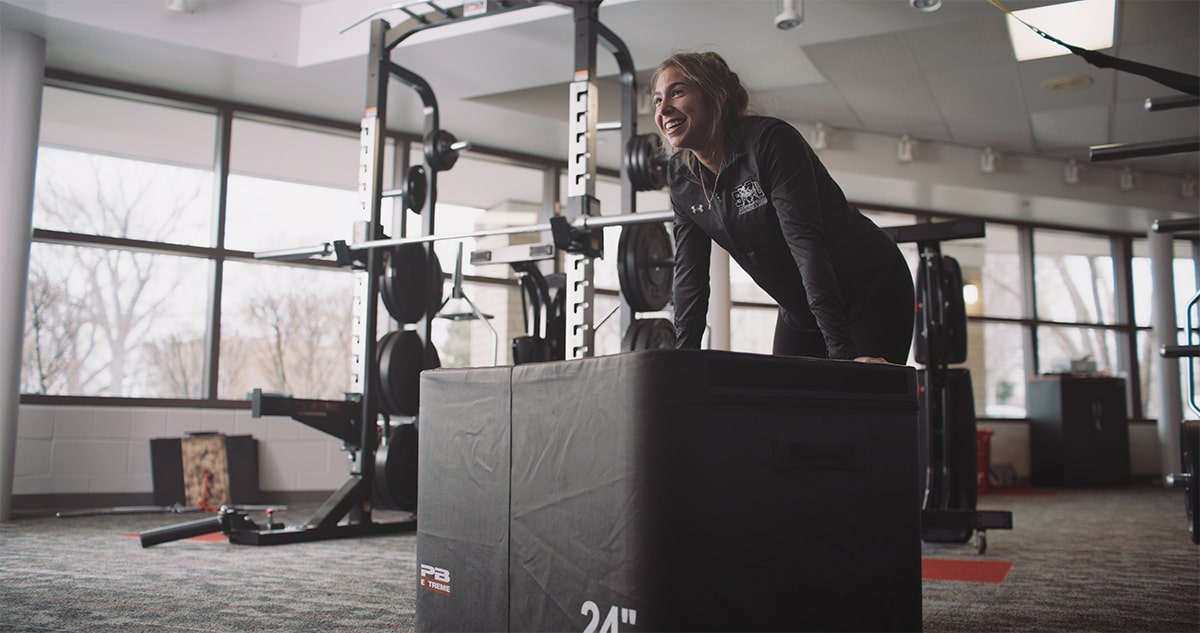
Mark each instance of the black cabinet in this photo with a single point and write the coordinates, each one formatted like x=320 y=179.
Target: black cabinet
x=1079 y=431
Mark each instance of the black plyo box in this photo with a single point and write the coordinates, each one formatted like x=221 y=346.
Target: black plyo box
x=669 y=490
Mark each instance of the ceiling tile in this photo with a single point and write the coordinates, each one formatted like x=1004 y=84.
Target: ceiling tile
x=1136 y=125
x=982 y=131
x=992 y=89
x=954 y=45
x=899 y=103
x=1155 y=20
x=862 y=58
x=816 y=103
x=772 y=69
x=1070 y=128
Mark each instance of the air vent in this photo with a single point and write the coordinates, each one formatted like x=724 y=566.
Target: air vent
x=1066 y=83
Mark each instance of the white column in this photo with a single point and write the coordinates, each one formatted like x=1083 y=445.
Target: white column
x=719 y=303
x=22 y=64
x=1170 y=398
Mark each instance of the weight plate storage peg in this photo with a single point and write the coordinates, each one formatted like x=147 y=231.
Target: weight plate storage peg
x=645 y=266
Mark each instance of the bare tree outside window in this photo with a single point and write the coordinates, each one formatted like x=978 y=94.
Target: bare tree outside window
x=102 y=306
x=52 y=328
x=286 y=329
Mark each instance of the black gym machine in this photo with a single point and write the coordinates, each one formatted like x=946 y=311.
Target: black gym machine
x=948 y=450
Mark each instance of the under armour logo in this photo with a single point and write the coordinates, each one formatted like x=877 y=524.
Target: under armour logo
x=697 y=208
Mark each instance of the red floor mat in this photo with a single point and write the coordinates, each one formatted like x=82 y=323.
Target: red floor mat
x=990 y=571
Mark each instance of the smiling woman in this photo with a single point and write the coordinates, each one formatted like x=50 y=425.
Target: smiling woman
x=755 y=187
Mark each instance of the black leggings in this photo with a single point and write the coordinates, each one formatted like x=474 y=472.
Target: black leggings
x=884 y=327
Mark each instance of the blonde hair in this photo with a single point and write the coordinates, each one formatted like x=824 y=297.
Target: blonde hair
x=721 y=88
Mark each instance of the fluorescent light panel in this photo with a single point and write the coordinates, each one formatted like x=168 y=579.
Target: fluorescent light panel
x=1087 y=24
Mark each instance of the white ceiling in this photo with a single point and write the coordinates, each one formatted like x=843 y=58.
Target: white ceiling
x=871 y=70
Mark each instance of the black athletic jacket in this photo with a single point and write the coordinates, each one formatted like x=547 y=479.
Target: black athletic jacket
x=781 y=216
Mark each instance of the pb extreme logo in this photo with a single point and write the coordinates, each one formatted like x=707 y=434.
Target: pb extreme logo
x=435 y=579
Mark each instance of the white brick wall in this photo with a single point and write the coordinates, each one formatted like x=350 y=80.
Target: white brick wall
x=80 y=449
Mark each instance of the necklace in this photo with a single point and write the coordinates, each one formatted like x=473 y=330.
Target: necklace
x=709 y=198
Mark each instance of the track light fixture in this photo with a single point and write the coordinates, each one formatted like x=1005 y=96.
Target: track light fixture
x=1126 y=183
x=1071 y=172
x=821 y=137
x=904 y=149
x=987 y=161
x=925 y=5
x=1188 y=188
x=789 y=14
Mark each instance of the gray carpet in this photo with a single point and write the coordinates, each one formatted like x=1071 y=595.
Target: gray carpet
x=80 y=574
x=1082 y=560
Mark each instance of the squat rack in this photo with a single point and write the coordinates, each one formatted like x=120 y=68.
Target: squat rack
x=355 y=420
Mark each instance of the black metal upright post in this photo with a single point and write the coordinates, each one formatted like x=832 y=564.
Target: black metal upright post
x=933 y=397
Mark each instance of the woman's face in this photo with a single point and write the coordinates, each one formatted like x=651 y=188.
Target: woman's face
x=681 y=112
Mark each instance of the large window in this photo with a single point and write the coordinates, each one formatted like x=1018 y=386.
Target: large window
x=110 y=196
x=129 y=246
x=290 y=187
x=120 y=310
x=1075 y=287
x=1074 y=280
x=113 y=322
x=991 y=270
x=285 y=329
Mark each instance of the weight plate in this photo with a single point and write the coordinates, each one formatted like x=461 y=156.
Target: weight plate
x=407 y=291
x=629 y=342
x=438 y=153
x=658 y=334
x=405 y=283
x=401 y=360
x=385 y=349
x=396 y=469
x=415 y=189
x=645 y=266
x=645 y=163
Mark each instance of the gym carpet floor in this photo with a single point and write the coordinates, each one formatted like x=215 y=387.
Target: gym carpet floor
x=1075 y=560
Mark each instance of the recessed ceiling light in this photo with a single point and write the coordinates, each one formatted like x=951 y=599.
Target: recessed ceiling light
x=1067 y=83
x=1087 y=24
